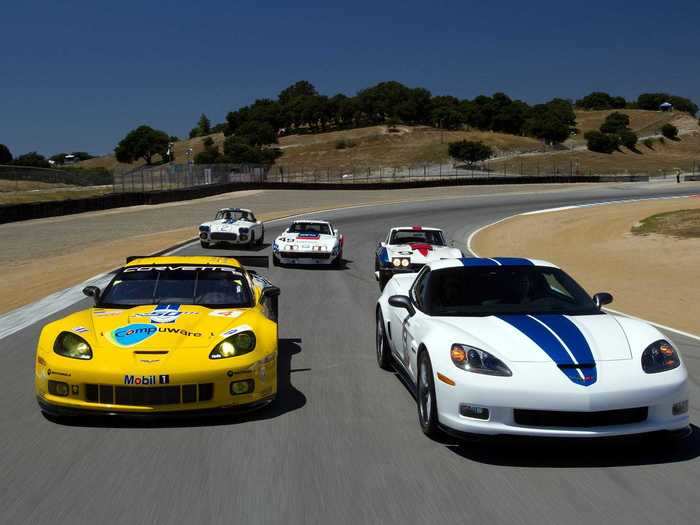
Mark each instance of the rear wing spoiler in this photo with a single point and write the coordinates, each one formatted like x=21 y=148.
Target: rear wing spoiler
x=253 y=261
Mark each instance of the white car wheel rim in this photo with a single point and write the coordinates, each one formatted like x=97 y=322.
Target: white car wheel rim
x=380 y=339
x=425 y=401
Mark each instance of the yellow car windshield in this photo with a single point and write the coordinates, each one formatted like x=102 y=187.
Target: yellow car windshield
x=209 y=286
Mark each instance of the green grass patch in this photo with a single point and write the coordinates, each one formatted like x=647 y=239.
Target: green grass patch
x=683 y=224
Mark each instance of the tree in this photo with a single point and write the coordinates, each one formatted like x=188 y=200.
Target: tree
x=469 y=151
x=602 y=142
x=652 y=101
x=615 y=123
x=600 y=100
x=302 y=88
x=202 y=128
x=628 y=139
x=144 y=143
x=256 y=133
x=552 y=122
x=5 y=154
x=669 y=131
x=33 y=159
x=241 y=153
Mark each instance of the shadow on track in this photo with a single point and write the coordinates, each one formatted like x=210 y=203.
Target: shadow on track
x=344 y=265
x=288 y=399
x=650 y=449
x=236 y=248
x=516 y=451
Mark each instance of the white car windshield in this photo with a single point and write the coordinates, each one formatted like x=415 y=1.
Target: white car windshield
x=236 y=215
x=488 y=290
x=210 y=286
x=311 y=228
x=417 y=236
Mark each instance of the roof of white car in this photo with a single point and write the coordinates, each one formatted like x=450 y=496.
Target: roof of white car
x=496 y=261
x=237 y=209
x=416 y=228
x=310 y=221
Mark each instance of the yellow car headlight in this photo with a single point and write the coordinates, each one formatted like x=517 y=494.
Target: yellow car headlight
x=71 y=345
x=234 y=346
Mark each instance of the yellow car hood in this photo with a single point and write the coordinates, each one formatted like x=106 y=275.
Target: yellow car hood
x=166 y=327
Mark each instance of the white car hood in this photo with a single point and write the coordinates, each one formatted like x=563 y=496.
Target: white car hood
x=228 y=226
x=549 y=337
x=422 y=253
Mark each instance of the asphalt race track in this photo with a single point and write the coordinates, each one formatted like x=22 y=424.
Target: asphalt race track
x=342 y=444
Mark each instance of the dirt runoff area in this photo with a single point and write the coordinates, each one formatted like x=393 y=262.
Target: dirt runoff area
x=654 y=277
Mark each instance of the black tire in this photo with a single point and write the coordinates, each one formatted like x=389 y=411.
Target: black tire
x=338 y=261
x=384 y=358
x=205 y=245
x=251 y=241
x=376 y=264
x=275 y=262
x=425 y=398
x=261 y=240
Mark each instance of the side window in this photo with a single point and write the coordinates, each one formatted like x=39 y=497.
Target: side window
x=419 y=288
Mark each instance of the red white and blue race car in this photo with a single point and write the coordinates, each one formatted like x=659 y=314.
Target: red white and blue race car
x=407 y=249
x=308 y=242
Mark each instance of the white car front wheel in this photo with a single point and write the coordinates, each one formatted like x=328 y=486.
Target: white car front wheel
x=426 y=401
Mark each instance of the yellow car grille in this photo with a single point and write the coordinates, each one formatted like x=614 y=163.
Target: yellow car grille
x=146 y=396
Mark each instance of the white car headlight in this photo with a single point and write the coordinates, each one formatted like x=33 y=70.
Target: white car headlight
x=478 y=361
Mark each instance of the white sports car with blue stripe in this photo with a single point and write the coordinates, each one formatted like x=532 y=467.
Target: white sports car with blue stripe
x=516 y=346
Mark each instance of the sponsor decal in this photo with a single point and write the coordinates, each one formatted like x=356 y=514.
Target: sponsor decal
x=562 y=341
x=107 y=313
x=57 y=373
x=165 y=313
x=231 y=314
x=233 y=331
x=134 y=334
x=181 y=268
x=80 y=330
x=162 y=379
x=309 y=236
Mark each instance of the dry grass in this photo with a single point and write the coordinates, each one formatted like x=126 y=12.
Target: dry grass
x=110 y=162
x=662 y=158
x=375 y=146
x=682 y=224
x=7 y=185
x=642 y=122
x=68 y=193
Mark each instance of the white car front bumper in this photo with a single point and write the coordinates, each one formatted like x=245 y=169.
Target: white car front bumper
x=623 y=401
x=303 y=257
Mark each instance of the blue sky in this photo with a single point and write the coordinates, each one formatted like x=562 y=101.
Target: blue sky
x=77 y=75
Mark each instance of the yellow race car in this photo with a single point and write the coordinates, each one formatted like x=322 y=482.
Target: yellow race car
x=167 y=335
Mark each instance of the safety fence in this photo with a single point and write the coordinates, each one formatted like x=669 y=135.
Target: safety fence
x=168 y=177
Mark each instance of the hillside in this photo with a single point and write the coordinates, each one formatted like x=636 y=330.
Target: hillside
x=663 y=157
x=375 y=146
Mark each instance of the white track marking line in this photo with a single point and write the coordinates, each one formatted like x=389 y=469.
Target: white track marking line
x=471 y=237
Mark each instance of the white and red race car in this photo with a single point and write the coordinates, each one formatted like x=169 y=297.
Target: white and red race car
x=407 y=249
x=308 y=242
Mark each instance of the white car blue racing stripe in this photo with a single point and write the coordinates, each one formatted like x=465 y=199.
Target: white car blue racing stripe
x=561 y=340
